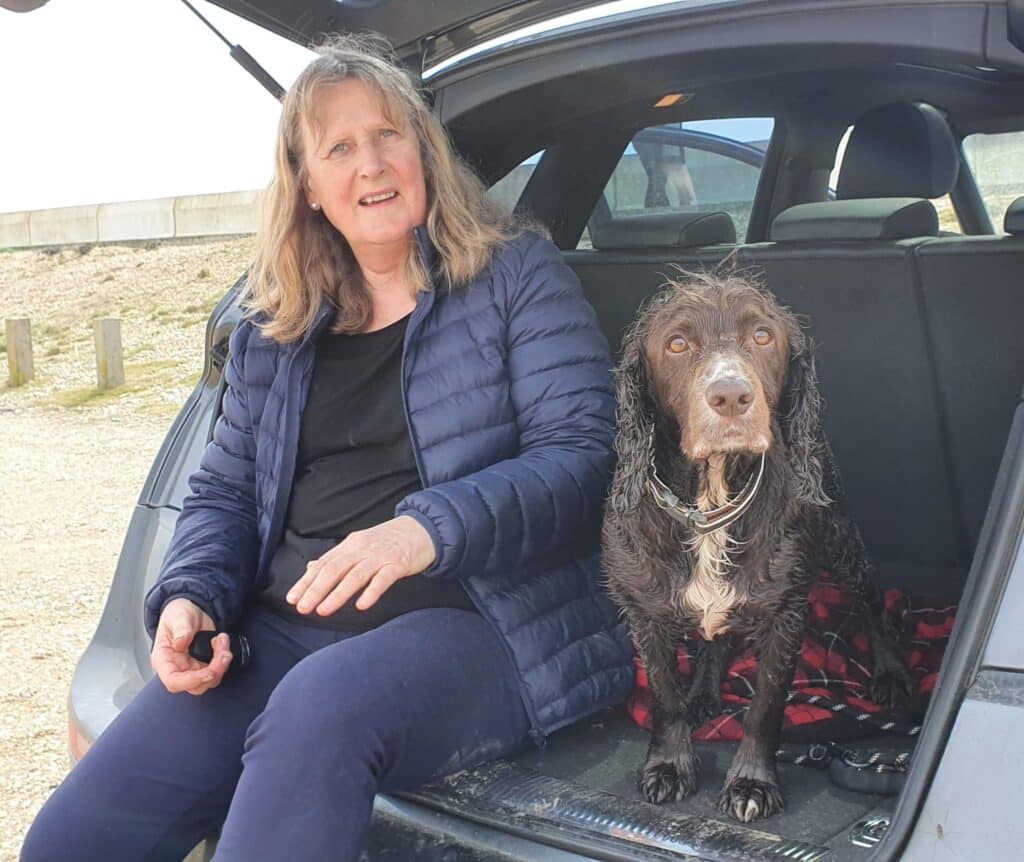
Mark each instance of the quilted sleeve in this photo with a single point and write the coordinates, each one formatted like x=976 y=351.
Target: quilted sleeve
x=546 y=503
x=212 y=556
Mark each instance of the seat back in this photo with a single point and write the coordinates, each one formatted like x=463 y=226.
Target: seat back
x=881 y=412
x=617 y=283
x=919 y=355
x=973 y=297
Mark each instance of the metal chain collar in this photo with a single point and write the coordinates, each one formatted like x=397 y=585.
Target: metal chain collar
x=691 y=515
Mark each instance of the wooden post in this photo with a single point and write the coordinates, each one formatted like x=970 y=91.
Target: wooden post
x=18 y=332
x=109 y=362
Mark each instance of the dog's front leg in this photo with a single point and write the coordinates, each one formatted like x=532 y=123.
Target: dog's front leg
x=670 y=770
x=704 y=700
x=751 y=787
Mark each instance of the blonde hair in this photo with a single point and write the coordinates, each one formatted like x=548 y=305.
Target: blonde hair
x=301 y=258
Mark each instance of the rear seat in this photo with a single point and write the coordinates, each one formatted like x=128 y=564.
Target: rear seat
x=854 y=267
x=632 y=259
x=851 y=265
x=973 y=298
x=874 y=372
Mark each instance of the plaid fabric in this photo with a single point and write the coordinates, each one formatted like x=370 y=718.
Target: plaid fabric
x=829 y=694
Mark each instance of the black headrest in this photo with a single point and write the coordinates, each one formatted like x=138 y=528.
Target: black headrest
x=1013 y=221
x=905 y=149
x=878 y=218
x=662 y=230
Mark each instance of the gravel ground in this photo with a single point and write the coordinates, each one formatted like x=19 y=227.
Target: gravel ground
x=72 y=464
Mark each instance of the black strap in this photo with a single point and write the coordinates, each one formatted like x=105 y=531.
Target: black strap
x=866 y=780
x=878 y=772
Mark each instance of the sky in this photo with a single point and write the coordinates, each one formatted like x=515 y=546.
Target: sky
x=114 y=100
x=118 y=100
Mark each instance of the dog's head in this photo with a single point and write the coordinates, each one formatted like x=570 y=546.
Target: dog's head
x=729 y=368
x=717 y=352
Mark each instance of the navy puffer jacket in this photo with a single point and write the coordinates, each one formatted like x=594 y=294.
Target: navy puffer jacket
x=510 y=406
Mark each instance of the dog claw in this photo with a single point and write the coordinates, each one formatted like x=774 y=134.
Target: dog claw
x=667 y=782
x=894 y=690
x=750 y=813
x=747 y=800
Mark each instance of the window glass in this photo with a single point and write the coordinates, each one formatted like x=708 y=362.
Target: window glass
x=948 y=222
x=704 y=166
x=997 y=162
x=507 y=190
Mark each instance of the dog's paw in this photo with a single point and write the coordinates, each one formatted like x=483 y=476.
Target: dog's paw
x=747 y=799
x=893 y=688
x=667 y=780
x=703 y=709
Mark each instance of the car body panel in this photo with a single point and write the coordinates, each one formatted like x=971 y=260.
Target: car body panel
x=979 y=775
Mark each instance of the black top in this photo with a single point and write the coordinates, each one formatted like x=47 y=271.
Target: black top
x=355 y=464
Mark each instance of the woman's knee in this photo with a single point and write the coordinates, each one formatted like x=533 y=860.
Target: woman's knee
x=325 y=707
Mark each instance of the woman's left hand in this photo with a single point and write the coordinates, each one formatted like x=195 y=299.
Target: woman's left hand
x=373 y=558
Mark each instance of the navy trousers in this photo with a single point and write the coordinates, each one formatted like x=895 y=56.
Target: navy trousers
x=288 y=752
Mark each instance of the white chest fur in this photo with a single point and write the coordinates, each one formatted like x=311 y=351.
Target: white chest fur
x=709 y=595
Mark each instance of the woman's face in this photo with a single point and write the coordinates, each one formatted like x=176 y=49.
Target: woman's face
x=364 y=171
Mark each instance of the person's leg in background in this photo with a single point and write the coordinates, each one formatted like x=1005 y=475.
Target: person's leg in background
x=425 y=694
x=161 y=777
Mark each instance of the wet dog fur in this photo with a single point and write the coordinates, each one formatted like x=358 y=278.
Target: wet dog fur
x=716 y=372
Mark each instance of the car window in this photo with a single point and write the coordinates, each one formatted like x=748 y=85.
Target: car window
x=508 y=189
x=948 y=221
x=997 y=162
x=700 y=166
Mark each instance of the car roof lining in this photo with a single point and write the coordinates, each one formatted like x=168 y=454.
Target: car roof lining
x=523 y=122
x=817 y=105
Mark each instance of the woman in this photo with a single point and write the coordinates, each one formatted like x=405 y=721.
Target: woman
x=399 y=509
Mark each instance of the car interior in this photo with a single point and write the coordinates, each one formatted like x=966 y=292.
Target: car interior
x=859 y=209
x=918 y=351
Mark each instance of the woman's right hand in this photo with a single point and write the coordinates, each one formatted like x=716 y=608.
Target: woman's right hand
x=178 y=671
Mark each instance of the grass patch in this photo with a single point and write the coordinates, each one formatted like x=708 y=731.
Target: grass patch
x=54 y=350
x=140 y=378
x=144 y=369
x=190 y=322
x=74 y=398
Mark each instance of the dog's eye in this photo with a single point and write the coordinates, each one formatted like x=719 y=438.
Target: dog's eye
x=678 y=345
x=762 y=336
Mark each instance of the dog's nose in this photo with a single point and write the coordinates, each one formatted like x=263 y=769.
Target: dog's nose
x=729 y=396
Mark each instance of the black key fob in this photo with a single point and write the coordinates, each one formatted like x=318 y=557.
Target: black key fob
x=201 y=648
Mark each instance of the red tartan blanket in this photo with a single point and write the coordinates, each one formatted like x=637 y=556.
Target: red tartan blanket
x=834 y=669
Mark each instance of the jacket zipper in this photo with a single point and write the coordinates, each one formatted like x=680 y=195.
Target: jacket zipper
x=289 y=441
x=423 y=305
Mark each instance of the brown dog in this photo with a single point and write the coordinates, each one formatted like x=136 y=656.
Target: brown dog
x=725 y=505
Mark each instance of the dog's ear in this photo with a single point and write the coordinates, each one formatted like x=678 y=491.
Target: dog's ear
x=635 y=415
x=800 y=412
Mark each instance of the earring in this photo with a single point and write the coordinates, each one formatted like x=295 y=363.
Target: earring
x=315 y=205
